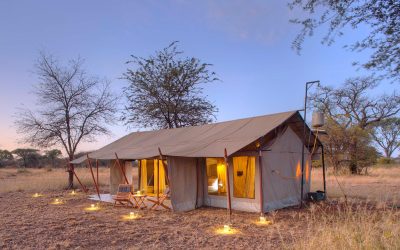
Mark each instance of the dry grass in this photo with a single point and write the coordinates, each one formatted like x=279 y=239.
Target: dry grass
x=44 y=180
x=353 y=225
x=381 y=185
x=368 y=220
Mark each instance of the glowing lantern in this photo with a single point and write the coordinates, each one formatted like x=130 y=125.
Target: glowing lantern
x=263 y=221
x=93 y=207
x=226 y=229
x=57 y=202
x=131 y=216
x=73 y=192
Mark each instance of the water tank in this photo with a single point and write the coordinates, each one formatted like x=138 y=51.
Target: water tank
x=318 y=119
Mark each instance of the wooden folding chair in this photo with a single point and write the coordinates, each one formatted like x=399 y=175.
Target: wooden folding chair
x=160 y=200
x=123 y=196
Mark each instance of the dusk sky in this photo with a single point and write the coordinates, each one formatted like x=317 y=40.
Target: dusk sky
x=248 y=43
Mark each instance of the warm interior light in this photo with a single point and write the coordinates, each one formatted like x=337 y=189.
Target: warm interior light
x=36 y=195
x=73 y=192
x=214 y=186
x=138 y=192
x=227 y=228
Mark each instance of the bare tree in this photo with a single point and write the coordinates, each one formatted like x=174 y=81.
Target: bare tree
x=380 y=16
x=73 y=107
x=387 y=135
x=165 y=91
x=352 y=111
x=354 y=105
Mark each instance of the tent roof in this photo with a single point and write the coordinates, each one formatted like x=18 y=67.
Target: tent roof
x=208 y=140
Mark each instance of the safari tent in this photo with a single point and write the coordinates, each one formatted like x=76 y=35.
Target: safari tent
x=254 y=162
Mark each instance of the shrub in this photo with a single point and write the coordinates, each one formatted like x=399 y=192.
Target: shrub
x=385 y=161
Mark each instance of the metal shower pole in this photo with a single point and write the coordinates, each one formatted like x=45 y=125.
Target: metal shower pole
x=308 y=85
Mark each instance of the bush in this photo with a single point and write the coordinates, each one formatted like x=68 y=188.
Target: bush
x=385 y=161
x=316 y=164
x=23 y=171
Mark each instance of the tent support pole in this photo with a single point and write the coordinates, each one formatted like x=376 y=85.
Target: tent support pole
x=97 y=171
x=140 y=174
x=122 y=169
x=158 y=180
x=323 y=168
x=197 y=181
x=162 y=157
x=94 y=180
x=260 y=166
x=308 y=85
x=228 y=191
x=85 y=189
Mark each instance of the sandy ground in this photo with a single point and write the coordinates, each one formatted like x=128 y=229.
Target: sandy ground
x=33 y=223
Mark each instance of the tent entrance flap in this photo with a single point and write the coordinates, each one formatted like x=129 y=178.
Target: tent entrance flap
x=153 y=179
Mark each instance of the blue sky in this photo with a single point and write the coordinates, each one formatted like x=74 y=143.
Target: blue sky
x=248 y=43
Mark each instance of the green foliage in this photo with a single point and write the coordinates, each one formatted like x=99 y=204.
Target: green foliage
x=29 y=157
x=6 y=157
x=351 y=112
x=386 y=134
x=165 y=91
x=385 y=161
x=381 y=17
x=53 y=156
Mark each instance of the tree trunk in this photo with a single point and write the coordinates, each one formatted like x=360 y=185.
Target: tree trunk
x=70 y=176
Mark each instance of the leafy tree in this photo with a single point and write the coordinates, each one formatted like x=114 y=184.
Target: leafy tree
x=5 y=157
x=74 y=107
x=352 y=111
x=53 y=155
x=380 y=16
x=386 y=134
x=165 y=91
x=29 y=156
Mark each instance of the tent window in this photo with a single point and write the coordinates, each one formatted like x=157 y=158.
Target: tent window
x=216 y=176
x=149 y=176
x=244 y=169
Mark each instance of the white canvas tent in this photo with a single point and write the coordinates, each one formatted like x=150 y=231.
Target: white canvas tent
x=195 y=166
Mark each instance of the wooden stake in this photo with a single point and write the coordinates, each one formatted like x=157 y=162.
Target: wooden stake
x=94 y=180
x=122 y=169
x=97 y=171
x=85 y=189
x=228 y=192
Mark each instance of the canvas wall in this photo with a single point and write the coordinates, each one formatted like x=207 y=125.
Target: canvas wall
x=116 y=176
x=282 y=171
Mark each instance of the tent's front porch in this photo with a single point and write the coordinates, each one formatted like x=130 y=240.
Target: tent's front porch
x=108 y=198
